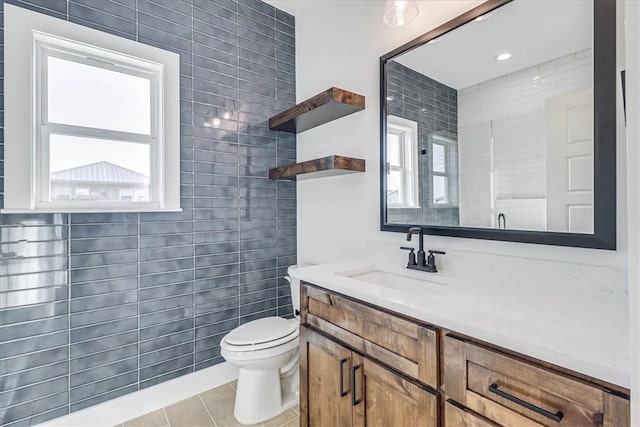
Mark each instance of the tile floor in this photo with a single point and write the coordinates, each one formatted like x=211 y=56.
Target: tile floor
x=213 y=408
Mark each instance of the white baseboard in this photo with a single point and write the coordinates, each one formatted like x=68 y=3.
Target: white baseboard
x=121 y=409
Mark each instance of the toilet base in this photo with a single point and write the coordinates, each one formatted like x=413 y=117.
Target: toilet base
x=264 y=394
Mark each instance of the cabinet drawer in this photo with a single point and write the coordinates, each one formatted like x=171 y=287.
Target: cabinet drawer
x=402 y=344
x=456 y=416
x=512 y=392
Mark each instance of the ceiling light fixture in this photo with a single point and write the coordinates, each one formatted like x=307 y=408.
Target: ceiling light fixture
x=400 y=12
x=503 y=56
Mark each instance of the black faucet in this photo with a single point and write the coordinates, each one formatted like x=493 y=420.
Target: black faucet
x=502 y=221
x=410 y=233
x=422 y=263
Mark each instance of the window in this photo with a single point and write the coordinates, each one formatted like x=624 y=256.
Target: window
x=402 y=163
x=442 y=174
x=94 y=127
x=439 y=174
x=102 y=122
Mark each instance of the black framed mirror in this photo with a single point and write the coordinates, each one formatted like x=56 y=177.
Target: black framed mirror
x=501 y=124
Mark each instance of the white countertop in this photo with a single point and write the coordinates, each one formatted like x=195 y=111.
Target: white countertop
x=581 y=328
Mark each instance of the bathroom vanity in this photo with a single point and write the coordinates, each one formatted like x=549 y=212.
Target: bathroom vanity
x=374 y=351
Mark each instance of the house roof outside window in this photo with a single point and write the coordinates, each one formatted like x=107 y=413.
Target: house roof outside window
x=100 y=172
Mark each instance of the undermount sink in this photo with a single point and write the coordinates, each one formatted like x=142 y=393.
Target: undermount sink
x=389 y=280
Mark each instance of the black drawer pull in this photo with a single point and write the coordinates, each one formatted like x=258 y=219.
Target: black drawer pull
x=354 y=401
x=343 y=393
x=557 y=417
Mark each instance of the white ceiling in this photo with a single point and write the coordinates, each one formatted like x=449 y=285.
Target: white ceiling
x=534 y=31
x=289 y=6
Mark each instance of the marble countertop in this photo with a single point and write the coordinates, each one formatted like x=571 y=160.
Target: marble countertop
x=584 y=329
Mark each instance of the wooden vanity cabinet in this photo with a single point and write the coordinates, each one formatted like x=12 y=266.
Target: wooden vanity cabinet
x=361 y=365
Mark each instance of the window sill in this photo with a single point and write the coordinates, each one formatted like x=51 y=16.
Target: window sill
x=71 y=211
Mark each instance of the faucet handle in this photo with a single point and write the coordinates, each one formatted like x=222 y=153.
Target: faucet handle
x=431 y=261
x=412 y=255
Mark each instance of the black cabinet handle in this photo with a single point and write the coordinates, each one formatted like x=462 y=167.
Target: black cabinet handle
x=343 y=393
x=354 y=401
x=557 y=417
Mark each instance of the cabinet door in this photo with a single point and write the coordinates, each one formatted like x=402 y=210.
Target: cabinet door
x=325 y=396
x=382 y=398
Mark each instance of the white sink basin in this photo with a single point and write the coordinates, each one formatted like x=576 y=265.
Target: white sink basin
x=390 y=280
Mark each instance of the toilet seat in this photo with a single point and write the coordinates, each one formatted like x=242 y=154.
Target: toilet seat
x=260 y=334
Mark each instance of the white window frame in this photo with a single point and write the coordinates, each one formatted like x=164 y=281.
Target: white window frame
x=47 y=47
x=407 y=130
x=32 y=38
x=444 y=175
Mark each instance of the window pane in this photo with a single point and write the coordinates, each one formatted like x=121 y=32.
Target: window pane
x=394 y=187
x=393 y=149
x=440 y=190
x=97 y=169
x=439 y=158
x=84 y=95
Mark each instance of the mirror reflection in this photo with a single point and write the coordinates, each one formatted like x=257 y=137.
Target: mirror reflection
x=491 y=124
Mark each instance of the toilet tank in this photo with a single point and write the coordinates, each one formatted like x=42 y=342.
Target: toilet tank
x=295 y=291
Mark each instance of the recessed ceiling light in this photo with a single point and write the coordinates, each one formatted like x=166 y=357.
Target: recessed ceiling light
x=503 y=56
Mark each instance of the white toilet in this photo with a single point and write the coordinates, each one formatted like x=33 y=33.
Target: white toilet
x=266 y=354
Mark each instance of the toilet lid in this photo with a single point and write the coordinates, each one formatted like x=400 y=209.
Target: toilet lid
x=261 y=331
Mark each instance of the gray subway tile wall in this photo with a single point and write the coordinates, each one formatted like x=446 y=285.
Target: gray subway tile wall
x=434 y=106
x=95 y=306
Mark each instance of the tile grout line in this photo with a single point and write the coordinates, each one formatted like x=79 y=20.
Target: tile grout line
x=68 y=311
x=137 y=21
x=166 y=418
x=138 y=253
x=138 y=301
x=193 y=192
x=207 y=409
x=237 y=107
x=275 y=84
x=68 y=295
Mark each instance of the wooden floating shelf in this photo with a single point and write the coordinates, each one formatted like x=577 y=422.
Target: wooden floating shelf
x=318 y=168
x=327 y=106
